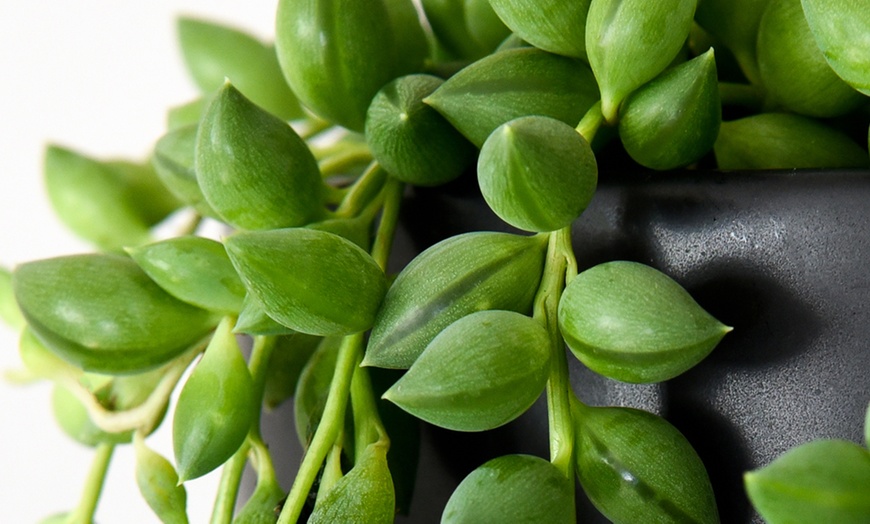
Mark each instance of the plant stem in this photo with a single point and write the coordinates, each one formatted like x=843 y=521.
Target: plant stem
x=389 y=220
x=368 y=427
x=367 y=186
x=258 y=364
x=558 y=383
x=349 y=357
x=745 y=95
x=228 y=488
x=340 y=162
x=84 y=512
x=591 y=122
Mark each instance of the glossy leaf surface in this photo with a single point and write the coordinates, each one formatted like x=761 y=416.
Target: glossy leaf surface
x=103 y=313
x=674 y=119
x=411 y=140
x=793 y=68
x=537 y=173
x=782 y=141
x=821 y=481
x=93 y=200
x=194 y=269
x=842 y=31
x=214 y=53
x=512 y=488
x=552 y=25
x=363 y=496
x=629 y=42
x=514 y=83
x=312 y=281
x=636 y=467
x=253 y=169
x=215 y=409
x=336 y=55
x=159 y=485
x=456 y=277
x=480 y=372
x=631 y=322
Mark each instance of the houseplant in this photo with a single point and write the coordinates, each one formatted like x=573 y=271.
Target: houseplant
x=228 y=146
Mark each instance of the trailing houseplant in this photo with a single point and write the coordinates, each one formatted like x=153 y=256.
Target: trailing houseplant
x=509 y=93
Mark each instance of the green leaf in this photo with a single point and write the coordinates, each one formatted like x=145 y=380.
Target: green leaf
x=312 y=389
x=336 y=55
x=253 y=320
x=102 y=313
x=484 y=25
x=785 y=141
x=735 y=24
x=93 y=200
x=674 y=119
x=173 y=160
x=159 y=485
x=289 y=357
x=312 y=281
x=262 y=506
x=841 y=29
x=42 y=362
x=9 y=311
x=821 y=481
x=214 y=53
x=793 y=68
x=411 y=140
x=636 y=467
x=73 y=418
x=456 y=277
x=629 y=42
x=215 y=409
x=363 y=496
x=512 y=488
x=186 y=114
x=537 y=173
x=194 y=269
x=480 y=372
x=448 y=20
x=514 y=83
x=552 y=25
x=152 y=202
x=630 y=322
x=253 y=169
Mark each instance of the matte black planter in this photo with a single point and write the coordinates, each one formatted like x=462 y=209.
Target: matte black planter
x=780 y=256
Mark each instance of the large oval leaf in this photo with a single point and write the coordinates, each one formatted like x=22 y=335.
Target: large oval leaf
x=842 y=31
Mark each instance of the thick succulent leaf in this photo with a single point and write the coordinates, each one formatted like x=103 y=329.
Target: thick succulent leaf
x=629 y=42
x=411 y=140
x=215 y=409
x=631 y=322
x=448 y=20
x=149 y=197
x=253 y=169
x=214 y=53
x=636 y=467
x=336 y=55
x=735 y=24
x=552 y=25
x=456 y=277
x=253 y=320
x=73 y=418
x=194 y=269
x=537 y=173
x=93 y=200
x=842 y=31
x=785 y=141
x=263 y=506
x=821 y=481
x=312 y=281
x=673 y=120
x=512 y=488
x=363 y=496
x=41 y=362
x=793 y=69
x=480 y=372
x=9 y=311
x=173 y=160
x=158 y=483
x=514 y=83
x=484 y=25
x=103 y=313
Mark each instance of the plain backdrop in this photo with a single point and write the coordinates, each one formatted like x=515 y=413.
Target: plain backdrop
x=96 y=76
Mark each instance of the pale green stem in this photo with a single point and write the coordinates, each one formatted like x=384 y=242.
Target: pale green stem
x=87 y=507
x=332 y=469
x=389 y=220
x=368 y=427
x=366 y=188
x=341 y=162
x=228 y=488
x=591 y=122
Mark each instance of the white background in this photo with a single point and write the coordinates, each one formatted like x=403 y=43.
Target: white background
x=95 y=76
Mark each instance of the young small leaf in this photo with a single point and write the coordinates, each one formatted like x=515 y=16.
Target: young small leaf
x=636 y=467
x=102 y=313
x=253 y=320
x=215 y=409
x=821 y=481
x=537 y=173
x=194 y=269
x=312 y=281
x=253 y=169
x=481 y=372
x=456 y=277
x=840 y=28
x=630 y=322
x=159 y=485
x=512 y=488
